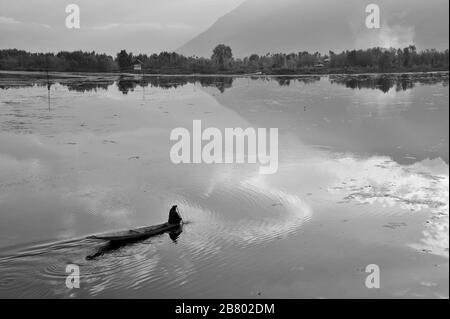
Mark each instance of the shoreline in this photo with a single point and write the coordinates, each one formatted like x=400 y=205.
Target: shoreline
x=139 y=75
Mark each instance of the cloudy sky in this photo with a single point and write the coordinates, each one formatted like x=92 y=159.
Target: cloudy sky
x=107 y=25
x=194 y=27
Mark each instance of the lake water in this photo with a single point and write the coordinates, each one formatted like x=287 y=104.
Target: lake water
x=363 y=179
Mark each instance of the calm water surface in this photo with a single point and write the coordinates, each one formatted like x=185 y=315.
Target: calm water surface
x=363 y=178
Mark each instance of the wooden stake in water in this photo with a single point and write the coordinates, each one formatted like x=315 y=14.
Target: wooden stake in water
x=48 y=82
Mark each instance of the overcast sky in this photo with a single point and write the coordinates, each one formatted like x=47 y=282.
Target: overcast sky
x=152 y=26
x=107 y=25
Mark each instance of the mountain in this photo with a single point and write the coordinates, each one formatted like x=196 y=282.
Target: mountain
x=262 y=26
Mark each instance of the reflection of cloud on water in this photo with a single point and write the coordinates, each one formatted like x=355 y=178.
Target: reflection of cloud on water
x=246 y=208
x=295 y=212
x=34 y=179
x=422 y=186
x=24 y=147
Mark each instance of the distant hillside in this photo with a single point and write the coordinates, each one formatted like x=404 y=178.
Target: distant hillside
x=262 y=26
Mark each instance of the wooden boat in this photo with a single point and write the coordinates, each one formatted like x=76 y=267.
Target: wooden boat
x=137 y=233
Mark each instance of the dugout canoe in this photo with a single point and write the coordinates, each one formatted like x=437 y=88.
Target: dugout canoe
x=137 y=233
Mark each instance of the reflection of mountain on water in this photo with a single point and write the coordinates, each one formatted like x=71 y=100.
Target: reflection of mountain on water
x=407 y=125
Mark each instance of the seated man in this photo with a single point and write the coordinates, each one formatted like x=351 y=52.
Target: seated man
x=174 y=215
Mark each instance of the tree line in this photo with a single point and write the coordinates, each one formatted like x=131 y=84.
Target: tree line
x=222 y=62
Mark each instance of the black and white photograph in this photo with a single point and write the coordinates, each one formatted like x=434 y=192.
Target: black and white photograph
x=201 y=150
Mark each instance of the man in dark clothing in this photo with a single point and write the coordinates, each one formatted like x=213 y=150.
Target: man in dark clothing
x=174 y=215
